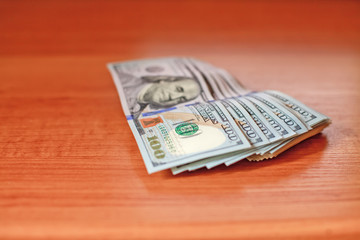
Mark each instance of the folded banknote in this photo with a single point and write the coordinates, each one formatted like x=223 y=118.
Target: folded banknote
x=186 y=114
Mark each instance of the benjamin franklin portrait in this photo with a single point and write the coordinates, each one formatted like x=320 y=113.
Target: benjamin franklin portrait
x=158 y=92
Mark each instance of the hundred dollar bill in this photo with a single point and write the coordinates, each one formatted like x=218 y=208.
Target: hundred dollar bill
x=303 y=117
x=248 y=126
x=207 y=162
x=235 y=88
x=283 y=129
x=155 y=84
x=212 y=83
x=305 y=113
x=186 y=134
x=254 y=130
x=221 y=89
x=169 y=104
x=283 y=114
x=289 y=143
x=310 y=116
x=266 y=128
x=270 y=129
x=270 y=125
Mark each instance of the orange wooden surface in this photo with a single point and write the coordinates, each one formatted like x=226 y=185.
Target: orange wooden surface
x=70 y=167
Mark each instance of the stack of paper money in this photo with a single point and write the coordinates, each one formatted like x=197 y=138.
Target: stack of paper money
x=186 y=114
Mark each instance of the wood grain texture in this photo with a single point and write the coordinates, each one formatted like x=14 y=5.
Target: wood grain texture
x=70 y=167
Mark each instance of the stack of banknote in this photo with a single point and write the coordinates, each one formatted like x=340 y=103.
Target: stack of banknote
x=186 y=114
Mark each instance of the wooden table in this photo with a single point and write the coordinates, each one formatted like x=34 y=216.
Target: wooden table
x=70 y=167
